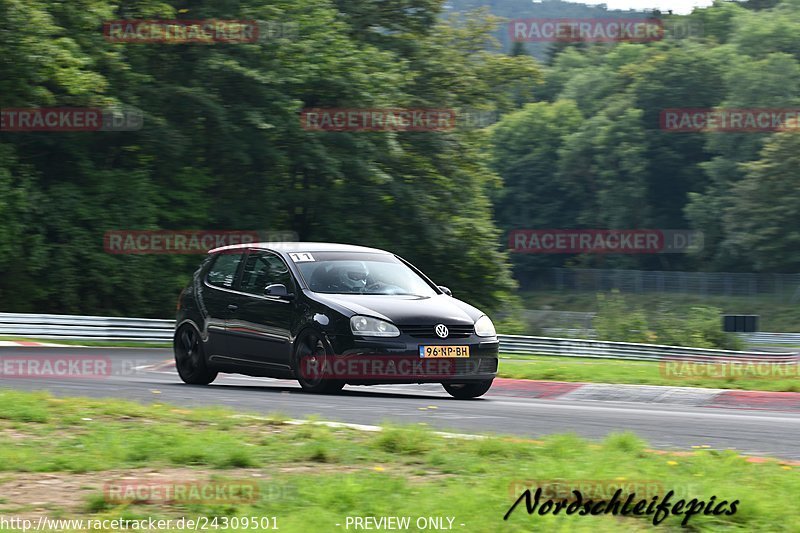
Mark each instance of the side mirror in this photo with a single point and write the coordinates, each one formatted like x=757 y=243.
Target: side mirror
x=445 y=290
x=278 y=290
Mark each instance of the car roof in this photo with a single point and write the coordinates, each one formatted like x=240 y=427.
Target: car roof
x=300 y=247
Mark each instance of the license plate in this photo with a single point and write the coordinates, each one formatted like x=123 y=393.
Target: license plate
x=443 y=351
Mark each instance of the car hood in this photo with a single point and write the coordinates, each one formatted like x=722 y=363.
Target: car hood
x=406 y=309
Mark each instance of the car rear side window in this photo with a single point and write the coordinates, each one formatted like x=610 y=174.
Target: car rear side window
x=223 y=272
x=263 y=269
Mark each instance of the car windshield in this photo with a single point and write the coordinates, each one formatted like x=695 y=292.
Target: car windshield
x=348 y=273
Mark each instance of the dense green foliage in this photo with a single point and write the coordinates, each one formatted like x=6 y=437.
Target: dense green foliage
x=590 y=153
x=222 y=146
x=521 y=9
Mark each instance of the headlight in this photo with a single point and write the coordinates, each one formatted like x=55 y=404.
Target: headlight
x=372 y=327
x=484 y=327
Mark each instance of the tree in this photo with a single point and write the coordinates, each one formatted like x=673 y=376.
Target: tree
x=222 y=145
x=764 y=215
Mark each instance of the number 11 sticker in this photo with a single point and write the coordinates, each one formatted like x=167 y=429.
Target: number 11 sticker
x=299 y=258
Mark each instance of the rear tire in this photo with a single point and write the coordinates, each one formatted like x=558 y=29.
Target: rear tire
x=468 y=391
x=312 y=345
x=190 y=359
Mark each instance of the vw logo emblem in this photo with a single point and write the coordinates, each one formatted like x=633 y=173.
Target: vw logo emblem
x=441 y=330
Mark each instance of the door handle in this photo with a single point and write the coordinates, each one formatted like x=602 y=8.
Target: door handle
x=232 y=307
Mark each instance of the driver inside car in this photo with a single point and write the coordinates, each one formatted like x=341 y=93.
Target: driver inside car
x=354 y=277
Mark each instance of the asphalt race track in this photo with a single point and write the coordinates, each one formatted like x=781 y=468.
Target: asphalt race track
x=148 y=375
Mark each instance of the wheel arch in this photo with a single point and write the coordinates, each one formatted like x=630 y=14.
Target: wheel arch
x=179 y=325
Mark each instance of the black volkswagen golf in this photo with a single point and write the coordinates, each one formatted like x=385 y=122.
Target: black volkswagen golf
x=329 y=315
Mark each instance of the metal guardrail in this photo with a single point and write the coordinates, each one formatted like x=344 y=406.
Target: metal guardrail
x=524 y=345
x=771 y=338
x=751 y=339
x=154 y=330
x=73 y=327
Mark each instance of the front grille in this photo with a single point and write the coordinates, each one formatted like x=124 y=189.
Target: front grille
x=427 y=332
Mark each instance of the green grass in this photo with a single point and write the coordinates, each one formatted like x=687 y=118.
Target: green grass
x=337 y=472
x=777 y=314
x=587 y=370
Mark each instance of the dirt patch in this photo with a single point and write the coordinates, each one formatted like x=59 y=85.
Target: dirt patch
x=30 y=495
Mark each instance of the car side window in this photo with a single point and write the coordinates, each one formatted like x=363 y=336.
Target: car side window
x=223 y=272
x=263 y=269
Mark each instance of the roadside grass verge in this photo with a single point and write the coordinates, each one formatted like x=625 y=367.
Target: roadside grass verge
x=325 y=474
x=588 y=370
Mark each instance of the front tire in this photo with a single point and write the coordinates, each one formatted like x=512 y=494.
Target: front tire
x=468 y=391
x=312 y=346
x=190 y=359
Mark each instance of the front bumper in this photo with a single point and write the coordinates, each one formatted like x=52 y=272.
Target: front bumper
x=481 y=365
